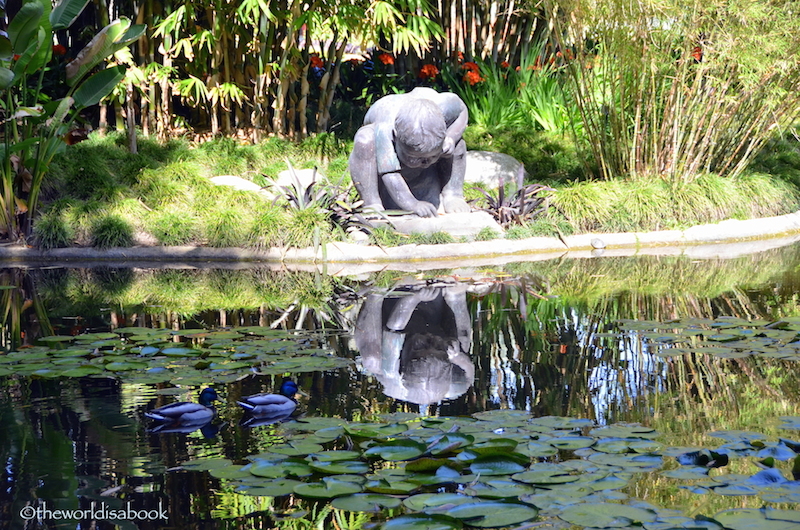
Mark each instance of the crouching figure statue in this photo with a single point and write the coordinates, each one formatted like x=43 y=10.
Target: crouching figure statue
x=409 y=154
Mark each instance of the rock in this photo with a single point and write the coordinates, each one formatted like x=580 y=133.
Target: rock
x=304 y=176
x=456 y=224
x=490 y=168
x=237 y=183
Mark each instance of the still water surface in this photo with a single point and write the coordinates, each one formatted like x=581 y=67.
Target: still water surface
x=684 y=347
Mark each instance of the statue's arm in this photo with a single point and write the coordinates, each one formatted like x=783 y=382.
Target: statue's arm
x=398 y=188
x=457 y=116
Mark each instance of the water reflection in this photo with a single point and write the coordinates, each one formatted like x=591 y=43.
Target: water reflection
x=546 y=340
x=416 y=340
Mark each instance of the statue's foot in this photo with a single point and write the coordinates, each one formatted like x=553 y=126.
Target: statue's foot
x=455 y=205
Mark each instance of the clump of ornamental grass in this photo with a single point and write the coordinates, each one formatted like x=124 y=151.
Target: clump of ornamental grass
x=174 y=227
x=676 y=91
x=52 y=230
x=111 y=230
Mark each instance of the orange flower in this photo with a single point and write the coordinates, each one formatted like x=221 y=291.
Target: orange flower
x=316 y=62
x=504 y=64
x=428 y=71
x=569 y=55
x=58 y=49
x=16 y=57
x=471 y=66
x=697 y=53
x=472 y=77
x=460 y=56
x=385 y=58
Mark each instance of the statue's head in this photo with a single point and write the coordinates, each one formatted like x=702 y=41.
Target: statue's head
x=419 y=133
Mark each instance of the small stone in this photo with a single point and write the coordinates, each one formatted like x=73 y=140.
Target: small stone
x=598 y=243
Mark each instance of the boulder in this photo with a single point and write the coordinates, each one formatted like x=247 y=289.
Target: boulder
x=238 y=183
x=456 y=224
x=489 y=169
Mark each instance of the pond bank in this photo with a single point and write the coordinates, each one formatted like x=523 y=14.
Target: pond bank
x=720 y=240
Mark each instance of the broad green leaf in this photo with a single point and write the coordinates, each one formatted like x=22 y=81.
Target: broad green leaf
x=396 y=450
x=498 y=489
x=340 y=467
x=428 y=501
x=751 y=518
x=328 y=488
x=113 y=37
x=422 y=522
x=493 y=514
x=206 y=464
x=270 y=488
x=365 y=502
x=6 y=51
x=98 y=86
x=606 y=515
x=496 y=465
x=24 y=27
x=6 y=77
x=65 y=13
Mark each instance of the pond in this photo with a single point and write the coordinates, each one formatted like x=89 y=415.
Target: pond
x=641 y=392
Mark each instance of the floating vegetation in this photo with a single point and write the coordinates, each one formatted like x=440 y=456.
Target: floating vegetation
x=723 y=337
x=190 y=357
x=494 y=470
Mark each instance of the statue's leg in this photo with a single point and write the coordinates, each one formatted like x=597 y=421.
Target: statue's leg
x=364 y=167
x=451 y=175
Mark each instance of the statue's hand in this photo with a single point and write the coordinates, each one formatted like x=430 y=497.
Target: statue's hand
x=424 y=209
x=455 y=205
x=448 y=147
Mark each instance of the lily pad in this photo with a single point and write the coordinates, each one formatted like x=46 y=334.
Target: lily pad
x=397 y=450
x=496 y=465
x=607 y=515
x=328 y=488
x=342 y=467
x=750 y=518
x=270 y=488
x=428 y=501
x=422 y=522
x=493 y=514
x=365 y=502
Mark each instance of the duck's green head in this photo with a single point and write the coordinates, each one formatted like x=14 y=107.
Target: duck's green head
x=208 y=396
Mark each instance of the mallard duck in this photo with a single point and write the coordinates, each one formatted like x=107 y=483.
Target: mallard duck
x=186 y=413
x=280 y=405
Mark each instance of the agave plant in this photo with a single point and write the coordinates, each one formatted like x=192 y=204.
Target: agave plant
x=36 y=127
x=525 y=204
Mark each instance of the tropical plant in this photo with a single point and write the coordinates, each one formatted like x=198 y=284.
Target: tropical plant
x=36 y=124
x=675 y=90
x=521 y=206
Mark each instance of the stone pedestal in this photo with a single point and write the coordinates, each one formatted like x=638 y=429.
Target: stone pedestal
x=456 y=224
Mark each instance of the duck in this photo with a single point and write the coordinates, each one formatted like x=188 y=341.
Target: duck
x=279 y=405
x=186 y=414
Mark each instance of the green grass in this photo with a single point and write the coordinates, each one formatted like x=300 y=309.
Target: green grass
x=99 y=194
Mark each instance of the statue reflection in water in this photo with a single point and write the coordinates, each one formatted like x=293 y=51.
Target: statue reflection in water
x=416 y=341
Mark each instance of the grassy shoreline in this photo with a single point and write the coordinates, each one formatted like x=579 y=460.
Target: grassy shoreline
x=98 y=194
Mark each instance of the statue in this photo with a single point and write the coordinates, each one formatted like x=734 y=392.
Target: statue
x=409 y=154
x=417 y=342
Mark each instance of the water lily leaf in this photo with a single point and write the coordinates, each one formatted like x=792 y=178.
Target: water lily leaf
x=571 y=443
x=270 y=488
x=687 y=473
x=206 y=464
x=766 y=477
x=82 y=371
x=545 y=474
x=629 y=462
x=777 y=451
x=449 y=442
x=231 y=472
x=750 y=518
x=427 y=465
x=125 y=366
x=624 y=430
x=496 y=465
x=328 y=488
x=502 y=415
x=737 y=436
x=681 y=523
x=397 y=450
x=537 y=450
x=428 y=501
x=57 y=338
x=498 y=489
x=267 y=469
x=561 y=423
x=493 y=514
x=365 y=502
x=626 y=445
x=494 y=446
x=296 y=448
x=342 y=467
x=422 y=522
x=179 y=352
x=606 y=515
x=375 y=430
x=390 y=487
x=334 y=456
x=790 y=422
